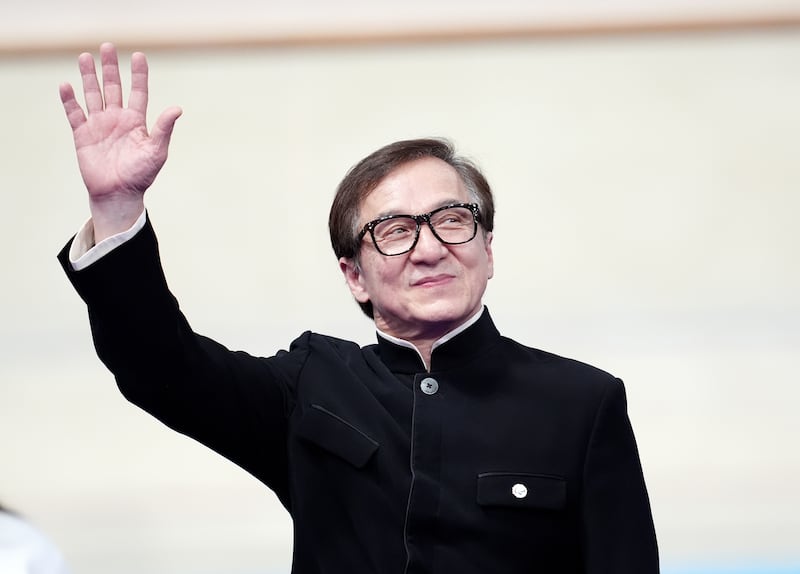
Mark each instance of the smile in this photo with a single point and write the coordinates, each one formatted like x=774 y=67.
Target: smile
x=432 y=281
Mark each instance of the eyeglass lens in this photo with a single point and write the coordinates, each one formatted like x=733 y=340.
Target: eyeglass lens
x=397 y=235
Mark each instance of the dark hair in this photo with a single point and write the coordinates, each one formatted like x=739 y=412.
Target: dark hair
x=367 y=174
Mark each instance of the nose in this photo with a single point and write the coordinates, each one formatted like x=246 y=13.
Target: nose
x=428 y=248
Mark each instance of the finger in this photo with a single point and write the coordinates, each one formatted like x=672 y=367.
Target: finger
x=162 y=130
x=75 y=115
x=91 y=88
x=112 y=86
x=139 y=90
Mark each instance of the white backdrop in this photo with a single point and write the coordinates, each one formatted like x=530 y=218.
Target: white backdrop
x=647 y=192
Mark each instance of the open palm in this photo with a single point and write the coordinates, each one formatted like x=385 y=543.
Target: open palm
x=117 y=157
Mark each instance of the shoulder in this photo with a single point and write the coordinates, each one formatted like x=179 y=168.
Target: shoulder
x=563 y=370
x=552 y=360
x=312 y=342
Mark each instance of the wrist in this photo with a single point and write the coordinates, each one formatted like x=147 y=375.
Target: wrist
x=113 y=215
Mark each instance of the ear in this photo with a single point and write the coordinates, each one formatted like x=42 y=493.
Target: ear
x=488 y=241
x=354 y=278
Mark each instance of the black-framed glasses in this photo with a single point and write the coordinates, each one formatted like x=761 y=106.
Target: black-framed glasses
x=397 y=234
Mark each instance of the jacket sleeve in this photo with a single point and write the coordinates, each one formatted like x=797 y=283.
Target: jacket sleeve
x=618 y=531
x=232 y=402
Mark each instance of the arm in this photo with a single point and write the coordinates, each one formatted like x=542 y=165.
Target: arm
x=234 y=403
x=619 y=536
x=117 y=157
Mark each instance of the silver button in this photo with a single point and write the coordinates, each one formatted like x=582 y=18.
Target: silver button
x=429 y=386
x=519 y=490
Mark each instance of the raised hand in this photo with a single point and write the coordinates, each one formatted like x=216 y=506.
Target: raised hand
x=117 y=157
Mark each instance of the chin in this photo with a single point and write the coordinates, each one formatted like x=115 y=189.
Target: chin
x=441 y=314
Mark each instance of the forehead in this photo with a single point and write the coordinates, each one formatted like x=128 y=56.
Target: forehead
x=415 y=187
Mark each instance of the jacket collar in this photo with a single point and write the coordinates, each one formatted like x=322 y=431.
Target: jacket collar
x=455 y=351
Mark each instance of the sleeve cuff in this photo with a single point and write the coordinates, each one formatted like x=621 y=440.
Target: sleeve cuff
x=83 y=252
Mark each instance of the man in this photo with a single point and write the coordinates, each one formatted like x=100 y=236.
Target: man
x=443 y=448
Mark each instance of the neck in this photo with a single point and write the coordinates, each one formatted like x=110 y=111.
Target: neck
x=425 y=349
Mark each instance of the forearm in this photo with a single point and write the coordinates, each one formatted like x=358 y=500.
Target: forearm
x=129 y=303
x=189 y=382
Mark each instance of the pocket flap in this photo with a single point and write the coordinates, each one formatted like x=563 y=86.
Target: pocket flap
x=337 y=436
x=521 y=490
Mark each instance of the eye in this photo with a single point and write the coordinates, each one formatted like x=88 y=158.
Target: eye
x=453 y=217
x=394 y=229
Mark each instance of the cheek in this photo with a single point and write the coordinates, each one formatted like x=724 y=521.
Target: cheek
x=489 y=266
x=389 y=276
x=486 y=260
x=383 y=274
x=479 y=268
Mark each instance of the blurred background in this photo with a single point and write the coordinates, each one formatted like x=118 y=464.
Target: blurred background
x=645 y=165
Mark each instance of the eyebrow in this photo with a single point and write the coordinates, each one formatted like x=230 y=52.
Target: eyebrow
x=442 y=204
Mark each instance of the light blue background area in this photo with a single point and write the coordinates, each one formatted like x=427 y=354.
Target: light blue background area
x=732 y=570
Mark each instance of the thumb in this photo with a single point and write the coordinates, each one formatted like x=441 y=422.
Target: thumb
x=162 y=130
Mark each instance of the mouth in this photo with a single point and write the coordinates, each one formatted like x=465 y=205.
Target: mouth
x=433 y=280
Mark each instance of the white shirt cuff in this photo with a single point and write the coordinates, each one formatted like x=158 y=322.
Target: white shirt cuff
x=83 y=252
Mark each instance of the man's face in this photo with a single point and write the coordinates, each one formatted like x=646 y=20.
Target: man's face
x=435 y=287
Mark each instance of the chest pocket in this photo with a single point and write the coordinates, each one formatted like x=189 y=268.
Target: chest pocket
x=522 y=490
x=337 y=436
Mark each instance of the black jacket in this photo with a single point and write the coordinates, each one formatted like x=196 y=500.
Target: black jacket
x=502 y=459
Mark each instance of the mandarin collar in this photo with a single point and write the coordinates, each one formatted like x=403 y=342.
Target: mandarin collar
x=453 y=353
